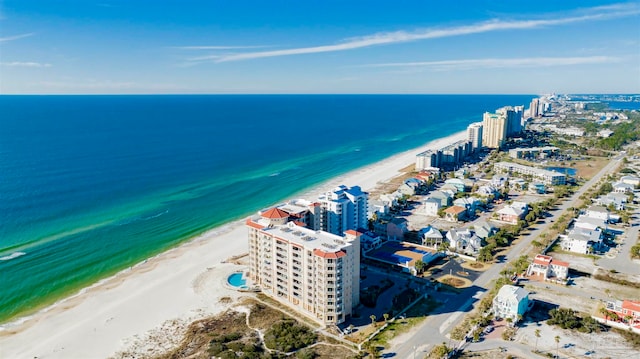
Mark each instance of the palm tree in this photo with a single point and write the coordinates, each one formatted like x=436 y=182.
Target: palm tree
x=537 y=333
x=386 y=316
x=557 y=338
x=373 y=319
x=605 y=313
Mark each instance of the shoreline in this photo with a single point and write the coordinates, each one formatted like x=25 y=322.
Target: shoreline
x=176 y=286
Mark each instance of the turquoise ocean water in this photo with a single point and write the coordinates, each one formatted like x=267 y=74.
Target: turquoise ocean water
x=90 y=185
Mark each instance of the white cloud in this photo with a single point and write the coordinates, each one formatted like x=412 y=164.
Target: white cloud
x=469 y=64
x=218 y=47
x=15 y=37
x=386 y=38
x=24 y=64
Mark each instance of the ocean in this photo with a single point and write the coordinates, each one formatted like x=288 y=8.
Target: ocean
x=91 y=185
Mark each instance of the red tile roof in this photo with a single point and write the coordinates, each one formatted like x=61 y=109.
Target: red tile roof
x=253 y=224
x=631 y=305
x=560 y=263
x=275 y=213
x=455 y=209
x=352 y=232
x=333 y=255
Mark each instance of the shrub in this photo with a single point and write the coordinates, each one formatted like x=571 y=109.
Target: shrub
x=288 y=335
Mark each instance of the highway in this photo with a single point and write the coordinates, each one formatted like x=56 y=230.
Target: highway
x=433 y=330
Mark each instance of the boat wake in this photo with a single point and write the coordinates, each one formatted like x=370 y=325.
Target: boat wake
x=12 y=256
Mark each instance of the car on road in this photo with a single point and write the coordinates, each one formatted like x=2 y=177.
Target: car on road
x=488 y=329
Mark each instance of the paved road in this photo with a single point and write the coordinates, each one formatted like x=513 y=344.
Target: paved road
x=622 y=262
x=433 y=330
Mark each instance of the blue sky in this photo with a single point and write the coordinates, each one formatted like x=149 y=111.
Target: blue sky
x=482 y=46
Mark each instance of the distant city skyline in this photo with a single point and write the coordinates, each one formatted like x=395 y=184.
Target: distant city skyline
x=377 y=47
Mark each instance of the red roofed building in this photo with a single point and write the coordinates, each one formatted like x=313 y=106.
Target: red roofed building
x=627 y=310
x=455 y=213
x=315 y=272
x=548 y=268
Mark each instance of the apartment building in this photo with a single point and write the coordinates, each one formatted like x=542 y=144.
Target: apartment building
x=494 y=130
x=544 y=176
x=342 y=209
x=315 y=272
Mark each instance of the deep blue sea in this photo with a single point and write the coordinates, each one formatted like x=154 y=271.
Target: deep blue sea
x=90 y=185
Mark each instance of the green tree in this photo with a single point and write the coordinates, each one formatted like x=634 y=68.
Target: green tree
x=557 y=339
x=420 y=266
x=386 y=316
x=373 y=319
x=537 y=333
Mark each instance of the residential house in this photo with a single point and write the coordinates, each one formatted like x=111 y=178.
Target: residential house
x=598 y=212
x=444 y=198
x=464 y=241
x=499 y=181
x=513 y=212
x=511 y=302
x=378 y=208
x=484 y=229
x=392 y=200
x=449 y=187
x=621 y=187
x=368 y=240
x=469 y=203
x=632 y=180
x=410 y=186
x=617 y=200
x=431 y=207
x=548 y=268
x=397 y=228
x=459 y=184
x=489 y=191
x=537 y=187
x=589 y=223
x=582 y=241
x=455 y=213
x=625 y=308
x=428 y=175
x=431 y=237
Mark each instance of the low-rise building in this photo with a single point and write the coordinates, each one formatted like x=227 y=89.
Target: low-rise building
x=621 y=187
x=534 y=152
x=632 y=180
x=511 y=302
x=431 y=237
x=464 y=241
x=455 y=213
x=626 y=309
x=598 y=212
x=513 y=212
x=544 y=176
x=582 y=241
x=445 y=198
x=470 y=203
x=431 y=207
x=548 y=268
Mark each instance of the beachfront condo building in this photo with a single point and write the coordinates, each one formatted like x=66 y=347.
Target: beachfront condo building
x=315 y=272
x=342 y=209
x=513 y=119
x=494 y=129
x=474 y=135
x=534 y=108
x=545 y=176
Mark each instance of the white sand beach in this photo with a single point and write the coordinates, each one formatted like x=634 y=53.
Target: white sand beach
x=145 y=309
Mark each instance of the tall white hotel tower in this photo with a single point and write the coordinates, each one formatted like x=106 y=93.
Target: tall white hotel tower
x=474 y=135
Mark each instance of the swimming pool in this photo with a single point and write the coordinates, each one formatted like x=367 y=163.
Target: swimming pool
x=237 y=280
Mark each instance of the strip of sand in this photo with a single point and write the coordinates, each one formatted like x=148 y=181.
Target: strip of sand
x=145 y=309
